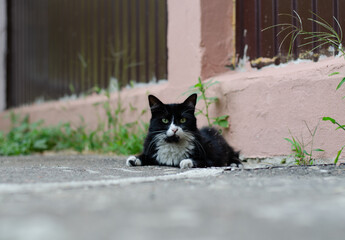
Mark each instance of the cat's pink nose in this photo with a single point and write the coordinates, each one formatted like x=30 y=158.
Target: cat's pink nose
x=174 y=130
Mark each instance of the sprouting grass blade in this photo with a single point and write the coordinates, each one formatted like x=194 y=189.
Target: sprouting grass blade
x=340 y=28
x=333 y=73
x=338 y=155
x=341 y=83
x=306 y=153
x=334 y=122
x=329 y=119
x=288 y=25
x=289 y=140
x=340 y=127
x=292 y=33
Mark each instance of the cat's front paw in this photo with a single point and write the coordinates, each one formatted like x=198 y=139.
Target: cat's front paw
x=133 y=161
x=186 y=163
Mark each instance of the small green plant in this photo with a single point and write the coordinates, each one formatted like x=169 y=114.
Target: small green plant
x=114 y=135
x=299 y=148
x=327 y=36
x=25 y=137
x=339 y=127
x=111 y=135
x=200 y=88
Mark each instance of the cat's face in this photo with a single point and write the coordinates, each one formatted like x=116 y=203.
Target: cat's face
x=173 y=122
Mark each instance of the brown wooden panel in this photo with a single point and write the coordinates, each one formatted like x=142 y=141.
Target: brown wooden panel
x=246 y=28
x=267 y=36
x=340 y=12
x=285 y=12
x=254 y=14
x=324 y=11
x=161 y=21
x=151 y=31
x=249 y=32
x=341 y=17
x=56 y=44
x=143 y=64
x=304 y=9
x=118 y=50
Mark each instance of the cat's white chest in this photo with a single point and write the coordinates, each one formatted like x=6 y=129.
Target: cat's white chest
x=171 y=154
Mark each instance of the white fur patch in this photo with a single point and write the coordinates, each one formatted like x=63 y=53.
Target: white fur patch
x=171 y=154
x=173 y=129
x=133 y=161
x=186 y=163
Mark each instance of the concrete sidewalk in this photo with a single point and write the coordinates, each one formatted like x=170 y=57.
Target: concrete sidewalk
x=98 y=197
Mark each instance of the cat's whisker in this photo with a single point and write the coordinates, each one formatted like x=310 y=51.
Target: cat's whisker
x=154 y=141
x=160 y=131
x=191 y=137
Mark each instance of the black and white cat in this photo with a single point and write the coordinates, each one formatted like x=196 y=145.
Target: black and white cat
x=173 y=139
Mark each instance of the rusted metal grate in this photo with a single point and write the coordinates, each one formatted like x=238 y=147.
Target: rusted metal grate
x=254 y=15
x=59 y=47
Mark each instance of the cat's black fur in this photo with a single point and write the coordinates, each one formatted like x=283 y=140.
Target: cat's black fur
x=174 y=140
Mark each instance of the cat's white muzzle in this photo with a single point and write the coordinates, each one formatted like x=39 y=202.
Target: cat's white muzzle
x=174 y=131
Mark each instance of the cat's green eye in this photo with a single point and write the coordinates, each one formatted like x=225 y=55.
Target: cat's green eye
x=165 y=121
x=183 y=120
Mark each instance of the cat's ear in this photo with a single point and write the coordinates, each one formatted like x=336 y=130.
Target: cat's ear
x=191 y=100
x=154 y=102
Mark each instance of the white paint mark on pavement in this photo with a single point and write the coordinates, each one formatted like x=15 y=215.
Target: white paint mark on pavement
x=41 y=187
x=92 y=171
x=127 y=170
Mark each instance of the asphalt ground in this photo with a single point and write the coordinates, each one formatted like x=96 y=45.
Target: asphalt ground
x=98 y=197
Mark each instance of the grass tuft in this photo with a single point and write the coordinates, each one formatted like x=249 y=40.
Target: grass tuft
x=111 y=135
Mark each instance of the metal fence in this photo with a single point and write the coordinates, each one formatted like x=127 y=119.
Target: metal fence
x=254 y=15
x=59 y=47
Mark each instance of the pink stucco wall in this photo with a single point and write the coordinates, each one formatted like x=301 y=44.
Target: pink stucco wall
x=184 y=37
x=263 y=104
x=217 y=36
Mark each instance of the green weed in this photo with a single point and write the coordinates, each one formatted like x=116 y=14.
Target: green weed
x=111 y=135
x=339 y=127
x=200 y=88
x=301 y=153
x=115 y=136
x=25 y=137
